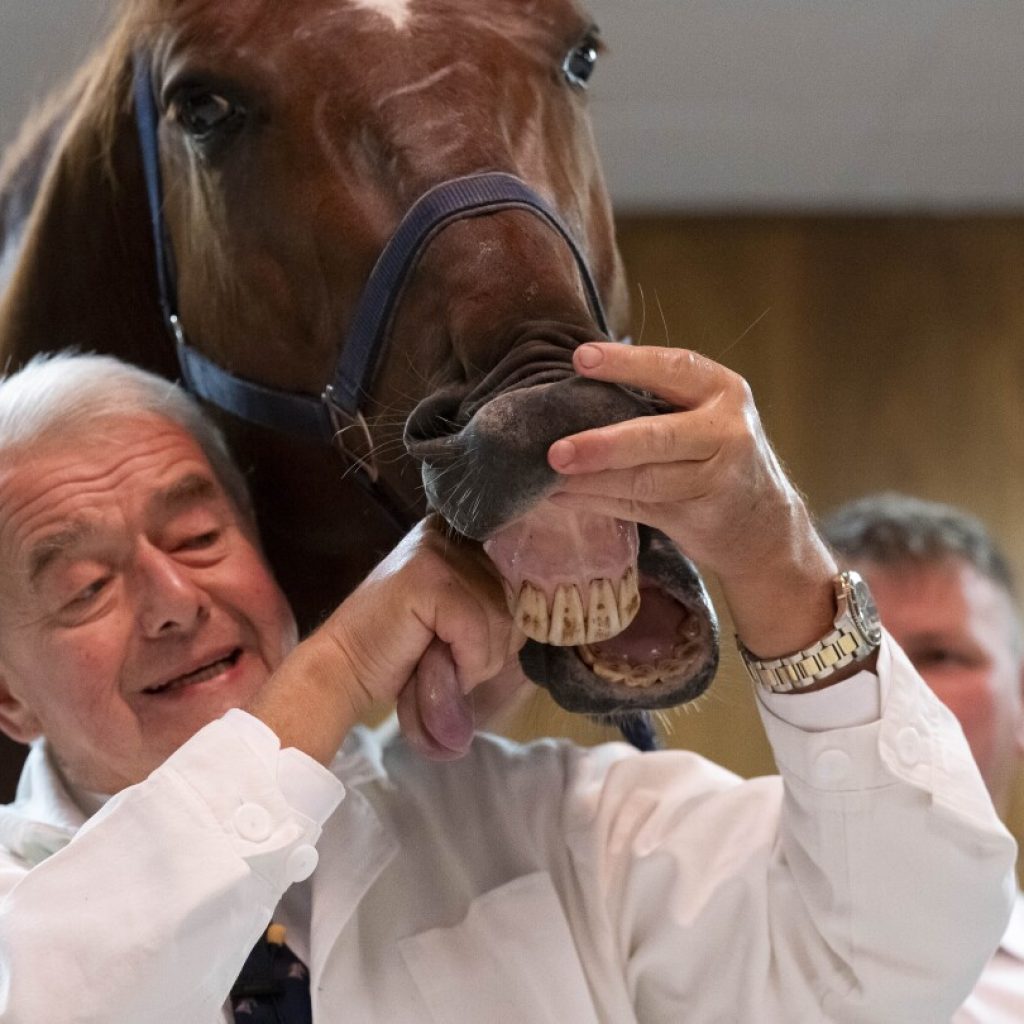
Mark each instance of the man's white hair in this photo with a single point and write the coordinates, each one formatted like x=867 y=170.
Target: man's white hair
x=62 y=395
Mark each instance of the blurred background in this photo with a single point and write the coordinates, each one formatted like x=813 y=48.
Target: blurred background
x=826 y=197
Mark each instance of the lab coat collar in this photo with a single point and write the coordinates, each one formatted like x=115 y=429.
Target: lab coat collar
x=43 y=817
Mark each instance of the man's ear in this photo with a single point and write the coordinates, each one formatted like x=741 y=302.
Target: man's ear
x=17 y=719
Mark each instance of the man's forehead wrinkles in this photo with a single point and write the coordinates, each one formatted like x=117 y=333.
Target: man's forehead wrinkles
x=189 y=489
x=43 y=493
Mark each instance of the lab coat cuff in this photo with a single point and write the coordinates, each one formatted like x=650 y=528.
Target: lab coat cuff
x=306 y=784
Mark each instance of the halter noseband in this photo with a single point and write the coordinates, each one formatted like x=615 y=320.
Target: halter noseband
x=335 y=418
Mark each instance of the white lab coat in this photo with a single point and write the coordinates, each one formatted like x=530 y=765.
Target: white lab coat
x=545 y=884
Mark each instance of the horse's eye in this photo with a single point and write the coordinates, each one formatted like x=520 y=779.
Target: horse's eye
x=203 y=113
x=580 y=61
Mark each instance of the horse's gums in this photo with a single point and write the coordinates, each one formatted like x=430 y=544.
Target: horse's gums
x=491 y=314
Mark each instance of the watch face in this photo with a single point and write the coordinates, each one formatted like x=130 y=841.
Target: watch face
x=863 y=609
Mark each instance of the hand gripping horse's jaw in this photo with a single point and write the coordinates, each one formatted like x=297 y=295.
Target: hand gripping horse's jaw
x=608 y=634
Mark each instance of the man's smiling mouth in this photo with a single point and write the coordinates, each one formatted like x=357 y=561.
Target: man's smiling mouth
x=200 y=675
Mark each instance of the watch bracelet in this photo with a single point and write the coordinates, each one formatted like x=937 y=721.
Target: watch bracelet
x=808 y=666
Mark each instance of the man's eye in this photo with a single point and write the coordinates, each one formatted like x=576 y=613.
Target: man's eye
x=938 y=657
x=89 y=593
x=199 y=541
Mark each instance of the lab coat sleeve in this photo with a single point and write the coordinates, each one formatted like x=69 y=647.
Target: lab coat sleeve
x=870 y=885
x=150 y=911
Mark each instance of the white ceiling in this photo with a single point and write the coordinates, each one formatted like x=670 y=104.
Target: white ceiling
x=742 y=104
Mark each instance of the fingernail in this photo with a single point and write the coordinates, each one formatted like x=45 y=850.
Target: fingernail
x=588 y=357
x=561 y=453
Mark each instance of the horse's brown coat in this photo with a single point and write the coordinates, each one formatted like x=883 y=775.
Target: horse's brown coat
x=341 y=121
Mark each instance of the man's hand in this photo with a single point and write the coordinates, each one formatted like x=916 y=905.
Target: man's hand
x=705 y=475
x=427 y=626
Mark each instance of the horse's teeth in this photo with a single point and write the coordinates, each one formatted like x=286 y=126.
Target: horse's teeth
x=612 y=671
x=531 y=613
x=681 y=650
x=629 y=598
x=567 y=623
x=642 y=676
x=669 y=667
x=568 y=626
x=602 y=613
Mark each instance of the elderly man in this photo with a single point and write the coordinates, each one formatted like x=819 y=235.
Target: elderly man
x=946 y=594
x=176 y=799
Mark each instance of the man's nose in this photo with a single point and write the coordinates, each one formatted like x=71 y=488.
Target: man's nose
x=169 y=599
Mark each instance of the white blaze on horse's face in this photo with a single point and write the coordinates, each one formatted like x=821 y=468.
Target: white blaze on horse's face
x=397 y=11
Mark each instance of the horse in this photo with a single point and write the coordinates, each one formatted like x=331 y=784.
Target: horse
x=372 y=232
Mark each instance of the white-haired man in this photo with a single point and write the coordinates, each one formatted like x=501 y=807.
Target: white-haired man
x=946 y=593
x=177 y=797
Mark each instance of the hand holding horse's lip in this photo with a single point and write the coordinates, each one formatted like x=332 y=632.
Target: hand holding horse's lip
x=573 y=580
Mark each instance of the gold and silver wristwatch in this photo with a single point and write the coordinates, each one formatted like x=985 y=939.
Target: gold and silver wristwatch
x=856 y=633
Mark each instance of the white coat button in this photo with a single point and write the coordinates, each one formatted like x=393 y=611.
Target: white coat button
x=831 y=766
x=908 y=746
x=252 y=822
x=302 y=862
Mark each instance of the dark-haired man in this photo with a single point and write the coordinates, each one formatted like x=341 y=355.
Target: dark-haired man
x=946 y=593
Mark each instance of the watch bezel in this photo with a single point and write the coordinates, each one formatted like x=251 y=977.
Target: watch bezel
x=862 y=607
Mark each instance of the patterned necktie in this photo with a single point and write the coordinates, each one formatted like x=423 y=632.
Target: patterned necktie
x=273 y=987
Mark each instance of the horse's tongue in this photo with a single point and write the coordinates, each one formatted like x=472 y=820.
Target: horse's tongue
x=570 y=577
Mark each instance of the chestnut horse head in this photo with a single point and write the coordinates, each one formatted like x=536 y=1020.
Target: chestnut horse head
x=288 y=143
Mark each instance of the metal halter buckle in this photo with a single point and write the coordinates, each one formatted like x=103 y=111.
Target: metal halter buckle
x=352 y=436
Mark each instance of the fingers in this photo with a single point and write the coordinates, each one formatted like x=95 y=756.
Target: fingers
x=671 y=437
x=650 y=484
x=715 y=406
x=453 y=589
x=684 y=378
